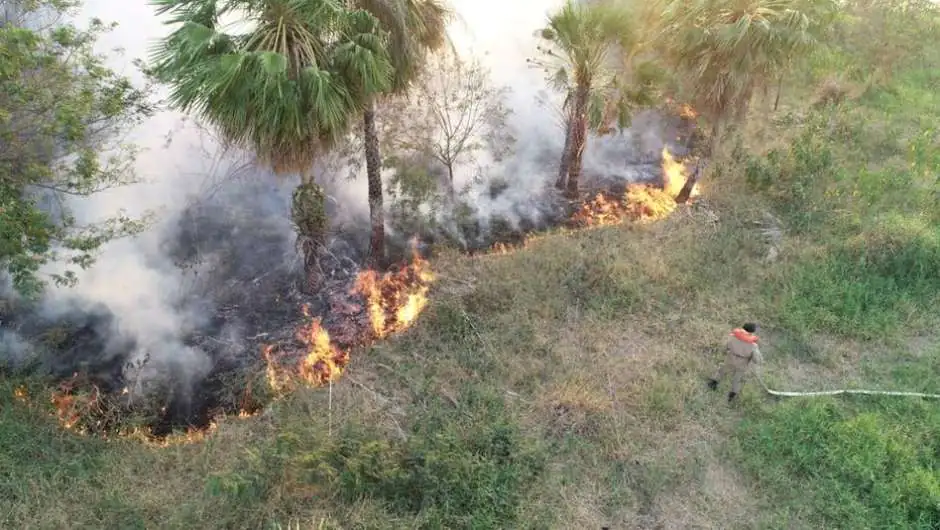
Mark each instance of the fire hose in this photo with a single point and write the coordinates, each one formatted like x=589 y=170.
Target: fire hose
x=816 y=393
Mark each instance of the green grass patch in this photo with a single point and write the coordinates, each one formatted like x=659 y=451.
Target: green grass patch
x=870 y=287
x=859 y=184
x=465 y=464
x=871 y=466
x=464 y=468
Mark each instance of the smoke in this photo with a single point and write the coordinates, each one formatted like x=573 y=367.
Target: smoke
x=13 y=349
x=149 y=301
x=210 y=274
x=503 y=44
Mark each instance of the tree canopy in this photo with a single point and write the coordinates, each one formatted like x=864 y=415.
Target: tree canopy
x=62 y=116
x=287 y=86
x=726 y=49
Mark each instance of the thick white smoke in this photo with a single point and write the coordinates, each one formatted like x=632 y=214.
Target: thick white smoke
x=503 y=36
x=138 y=281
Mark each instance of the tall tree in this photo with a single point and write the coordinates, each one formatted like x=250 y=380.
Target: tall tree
x=580 y=51
x=413 y=28
x=287 y=87
x=62 y=116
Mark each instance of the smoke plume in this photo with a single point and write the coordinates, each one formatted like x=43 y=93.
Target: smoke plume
x=214 y=272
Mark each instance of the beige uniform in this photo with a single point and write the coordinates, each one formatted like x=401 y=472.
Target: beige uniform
x=740 y=355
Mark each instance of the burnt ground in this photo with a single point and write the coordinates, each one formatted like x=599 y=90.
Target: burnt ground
x=243 y=273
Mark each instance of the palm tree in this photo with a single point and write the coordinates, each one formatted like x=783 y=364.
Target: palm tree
x=414 y=28
x=726 y=49
x=581 y=45
x=287 y=87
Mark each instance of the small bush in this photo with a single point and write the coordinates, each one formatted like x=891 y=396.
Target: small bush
x=795 y=178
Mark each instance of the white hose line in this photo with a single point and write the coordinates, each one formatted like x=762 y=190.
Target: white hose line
x=842 y=391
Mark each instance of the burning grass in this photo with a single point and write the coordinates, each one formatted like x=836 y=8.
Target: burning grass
x=390 y=303
x=84 y=409
x=395 y=299
x=640 y=202
x=373 y=308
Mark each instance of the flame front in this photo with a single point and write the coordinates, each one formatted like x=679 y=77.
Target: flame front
x=393 y=302
x=395 y=299
x=325 y=362
x=673 y=174
x=640 y=201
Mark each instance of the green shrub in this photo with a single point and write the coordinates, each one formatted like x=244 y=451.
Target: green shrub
x=796 y=179
x=874 y=469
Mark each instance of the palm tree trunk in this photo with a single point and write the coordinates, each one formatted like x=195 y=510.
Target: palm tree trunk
x=578 y=140
x=376 y=203
x=565 y=164
x=779 y=90
x=715 y=140
x=308 y=212
x=686 y=192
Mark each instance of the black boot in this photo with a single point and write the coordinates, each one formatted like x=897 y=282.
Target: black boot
x=731 y=396
x=712 y=384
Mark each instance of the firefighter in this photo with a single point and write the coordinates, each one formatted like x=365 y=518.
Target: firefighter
x=742 y=351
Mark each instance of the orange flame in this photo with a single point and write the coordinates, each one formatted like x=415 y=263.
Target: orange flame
x=503 y=248
x=675 y=175
x=395 y=299
x=640 y=201
x=602 y=211
x=72 y=409
x=325 y=362
x=393 y=302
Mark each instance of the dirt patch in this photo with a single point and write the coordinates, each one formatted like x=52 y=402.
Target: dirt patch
x=718 y=500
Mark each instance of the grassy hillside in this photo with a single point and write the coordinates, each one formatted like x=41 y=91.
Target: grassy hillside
x=562 y=385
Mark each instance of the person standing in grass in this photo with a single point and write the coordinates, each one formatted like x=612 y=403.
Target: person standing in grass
x=742 y=351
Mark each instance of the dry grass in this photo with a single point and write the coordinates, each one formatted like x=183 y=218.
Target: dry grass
x=599 y=352
x=611 y=365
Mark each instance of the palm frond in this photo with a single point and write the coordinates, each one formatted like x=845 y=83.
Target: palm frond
x=730 y=48
x=582 y=46
x=287 y=87
x=413 y=29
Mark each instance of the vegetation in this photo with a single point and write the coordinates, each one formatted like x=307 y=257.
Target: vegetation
x=728 y=50
x=60 y=110
x=581 y=41
x=303 y=68
x=574 y=396
x=413 y=28
x=454 y=116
